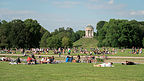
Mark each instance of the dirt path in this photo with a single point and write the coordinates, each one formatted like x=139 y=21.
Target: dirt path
x=75 y=56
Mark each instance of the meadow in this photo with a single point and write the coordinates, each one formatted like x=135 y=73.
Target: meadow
x=70 y=72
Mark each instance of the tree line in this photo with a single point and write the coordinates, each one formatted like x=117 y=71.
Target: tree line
x=60 y=38
x=120 y=33
x=30 y=34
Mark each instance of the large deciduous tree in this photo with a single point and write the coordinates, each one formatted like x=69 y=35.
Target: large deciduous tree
x=120 y=33
x=43 y=42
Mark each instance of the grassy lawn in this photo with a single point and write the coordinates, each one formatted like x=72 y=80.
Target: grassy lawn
x=86 y=43
x=70 y=72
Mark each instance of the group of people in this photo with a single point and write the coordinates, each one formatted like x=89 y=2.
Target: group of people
x=85 y=59
x=62 y=51
x=31 y=60
x=71 y=59
x=5 y=59
x=48 y=60
x=136 y=50
x=51 y=60
x=8 y=51
x=74 y=50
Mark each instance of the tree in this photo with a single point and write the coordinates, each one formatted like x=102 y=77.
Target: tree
x=33 y=34
x=143 y=42
x=54 y=42
x=66 y=42
x=79 y=34
x=100 y=24
x=17 y=34
x=120 y=33
x=43 y=42
x=42 y=31
x=4 y=27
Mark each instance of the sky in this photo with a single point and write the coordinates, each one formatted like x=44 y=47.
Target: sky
x=77 y=14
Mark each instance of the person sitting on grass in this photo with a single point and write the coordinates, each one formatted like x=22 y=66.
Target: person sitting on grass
x=29 y=60
x=104 y=65
x=33 y=58
x=74 y=61
x=128 y=63
x=45 y=60
x=48 y=59
x=42 y=60
x=18 y=60
x=3 y=58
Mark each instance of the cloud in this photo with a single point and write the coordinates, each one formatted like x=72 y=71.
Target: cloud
x=111 y=2
x=140 y=12
x=14 y=12
x=66 y=4
x=105 y=6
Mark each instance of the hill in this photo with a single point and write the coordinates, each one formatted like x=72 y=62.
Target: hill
x=86 y=43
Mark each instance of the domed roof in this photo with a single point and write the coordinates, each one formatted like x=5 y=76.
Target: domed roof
x=89 y=27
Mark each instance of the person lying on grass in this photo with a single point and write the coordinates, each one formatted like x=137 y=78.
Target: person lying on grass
x=104 y=65
x=128 y=63
x=18 y=61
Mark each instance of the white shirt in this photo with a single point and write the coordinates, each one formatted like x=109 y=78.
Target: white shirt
x=48 y=60
x=42 y=59
x=106 y=65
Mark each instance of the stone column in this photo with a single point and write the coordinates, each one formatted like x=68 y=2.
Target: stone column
x=92 y=33
x=86 y=33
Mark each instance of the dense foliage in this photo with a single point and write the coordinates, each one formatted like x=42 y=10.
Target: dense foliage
x=20 y=34
x=63 y=37
x=30 y=34
x=120 y=33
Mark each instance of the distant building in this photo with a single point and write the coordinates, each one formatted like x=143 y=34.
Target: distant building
x=89 y=32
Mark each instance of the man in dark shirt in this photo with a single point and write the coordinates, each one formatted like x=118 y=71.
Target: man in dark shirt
x=129 y=63
x=18 y=60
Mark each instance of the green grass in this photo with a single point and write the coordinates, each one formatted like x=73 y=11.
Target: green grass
x=86 y=43
x=70 y=72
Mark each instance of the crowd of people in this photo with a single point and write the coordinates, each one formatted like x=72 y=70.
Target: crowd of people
x=48 y=60
x=7 y=59
x=69 y=51
x=89 y=55
x=30 y=60
x=51 y=60
x=86 y=59
x=136 y=50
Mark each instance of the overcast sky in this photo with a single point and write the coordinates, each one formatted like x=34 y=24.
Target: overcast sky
x=52 y=14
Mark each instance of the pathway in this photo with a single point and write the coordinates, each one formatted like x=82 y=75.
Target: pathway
x=74 y=56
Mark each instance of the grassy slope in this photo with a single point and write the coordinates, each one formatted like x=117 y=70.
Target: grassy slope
x=70 y=72
x=86 y=43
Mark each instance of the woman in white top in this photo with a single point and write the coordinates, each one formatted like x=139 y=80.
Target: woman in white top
x=104 y=65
